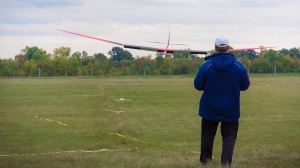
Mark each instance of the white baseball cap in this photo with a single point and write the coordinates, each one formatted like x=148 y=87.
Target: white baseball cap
x=221 y=42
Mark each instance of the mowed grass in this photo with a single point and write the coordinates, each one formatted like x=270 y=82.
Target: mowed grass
x=156 y=120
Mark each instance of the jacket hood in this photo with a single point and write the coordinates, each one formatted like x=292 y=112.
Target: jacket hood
x=222 y=61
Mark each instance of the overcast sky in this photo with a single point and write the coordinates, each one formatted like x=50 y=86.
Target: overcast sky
x=246 y=23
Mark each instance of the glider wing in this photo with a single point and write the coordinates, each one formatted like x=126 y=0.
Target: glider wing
x=136 y=47
x=242 y=49
x=95 y=38
x=165 y=50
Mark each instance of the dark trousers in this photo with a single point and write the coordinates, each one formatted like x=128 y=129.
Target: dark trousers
x=208 y=131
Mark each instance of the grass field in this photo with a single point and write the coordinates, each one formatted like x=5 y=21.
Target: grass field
x=140 y=122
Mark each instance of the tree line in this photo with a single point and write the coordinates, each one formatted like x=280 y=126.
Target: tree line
x=36 y=62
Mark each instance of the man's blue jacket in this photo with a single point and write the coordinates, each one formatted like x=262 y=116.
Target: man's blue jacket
x=221 y=78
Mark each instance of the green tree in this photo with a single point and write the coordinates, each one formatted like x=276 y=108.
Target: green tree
x=105 y=66
x=197 y=63
x=126 y=67
x=271 y=55
x=127 y=55
x=159 y=61
x=262 y=52
x=85 y=61
x=297 y=63
x=35 y=53
x=284 y=52
x=143 y=65
x=45 y=67
x=260 y=65
x=288 y=64
x=19 y=60
x=7 y=67
x=246 y=62
x=76 y=54
x=117 y=54
x=183 y=66
x=30 y=68
x=74 y=66
x=89 y=69
x=167 y=66
x=295 y=52
x=28 y=51
x=99 y=56
x=40 y=55
x=251 y=54
x=84 y=54
x=62 y=52
x=59 y=65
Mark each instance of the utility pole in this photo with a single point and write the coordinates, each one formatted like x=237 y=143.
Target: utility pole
x=13 y=71
x=39 y=72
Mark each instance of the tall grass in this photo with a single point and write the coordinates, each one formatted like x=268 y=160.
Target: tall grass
x=145 y=122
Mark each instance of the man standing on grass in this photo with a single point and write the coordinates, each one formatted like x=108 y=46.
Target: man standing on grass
x=221 y=78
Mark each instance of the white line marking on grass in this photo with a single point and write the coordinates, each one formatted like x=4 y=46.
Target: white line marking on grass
x=115 y=111
x=121 y=99
x=84 y=95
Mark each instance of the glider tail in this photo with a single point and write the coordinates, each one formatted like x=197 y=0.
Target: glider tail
x=168 y=39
